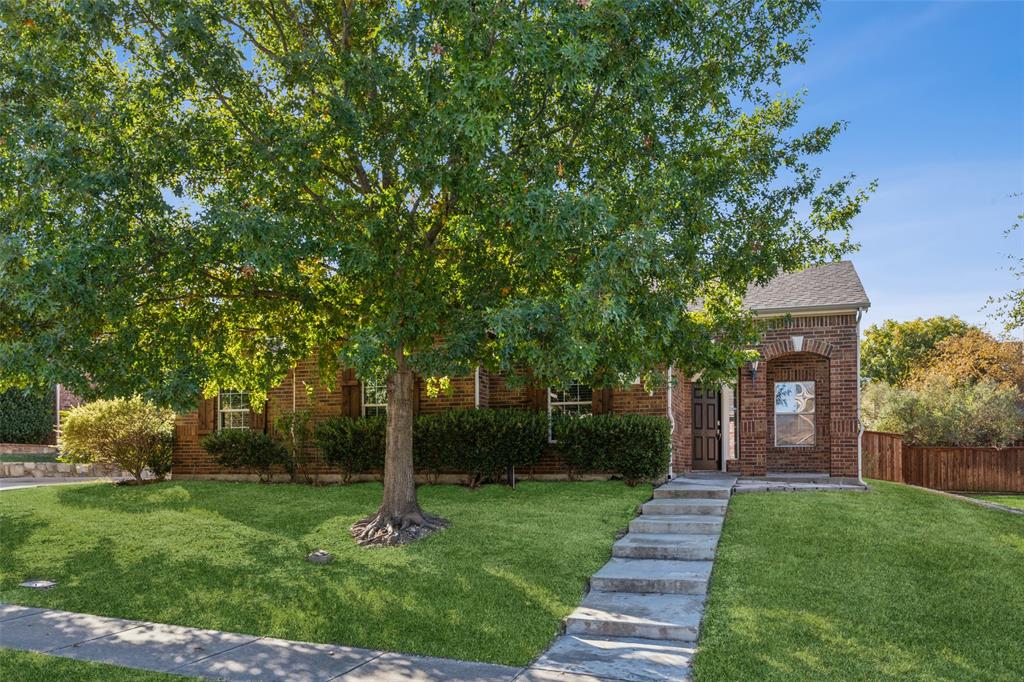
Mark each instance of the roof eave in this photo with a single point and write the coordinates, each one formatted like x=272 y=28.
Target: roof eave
x=798 y=311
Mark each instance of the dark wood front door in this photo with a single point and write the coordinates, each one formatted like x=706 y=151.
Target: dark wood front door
x=706 y=443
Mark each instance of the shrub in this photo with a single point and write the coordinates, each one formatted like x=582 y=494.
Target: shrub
x=130 y=434
x=354 y=445
x=247 y=449
x=294 y=431
x=634 y=445
x=26 y=416
x=939 y=411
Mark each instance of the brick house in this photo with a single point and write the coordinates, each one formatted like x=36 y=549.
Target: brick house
x=794 y=410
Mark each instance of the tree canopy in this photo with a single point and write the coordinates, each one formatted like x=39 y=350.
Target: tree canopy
x=197 y=193
x=892 y=350
x=975 y=356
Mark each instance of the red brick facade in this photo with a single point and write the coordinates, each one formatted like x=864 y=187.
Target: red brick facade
x=820 y=348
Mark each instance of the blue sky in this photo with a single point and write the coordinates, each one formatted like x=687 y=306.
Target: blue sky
x=934 y=97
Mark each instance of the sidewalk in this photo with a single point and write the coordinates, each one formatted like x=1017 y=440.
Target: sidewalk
x=29 y=482
x=228 y=656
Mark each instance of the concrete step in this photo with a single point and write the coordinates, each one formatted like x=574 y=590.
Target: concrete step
x=784 y=477
x=653 y=576
x=710 y=507
x=677 y=523
x=683 y=491
x=673 y=617
x=666 y=546
x=615 y=658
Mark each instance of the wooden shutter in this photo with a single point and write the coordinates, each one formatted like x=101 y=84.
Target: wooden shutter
x=207 y=416
x=258 y=417
x=537 y=397
x=602 y=401
x=351 y=395
x=417 y=389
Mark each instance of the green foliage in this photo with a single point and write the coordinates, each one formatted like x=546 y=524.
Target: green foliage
x=128 y=433
x=940 y=411
x=247 y=449
x=26 y=416
x=480 y=443
x=198 y=194
x=354 y=445
x=1009 y=308
x=891 y=351
x=633 y=445
x=294 y=430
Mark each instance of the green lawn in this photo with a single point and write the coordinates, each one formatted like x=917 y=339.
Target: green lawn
x=896 y=583
x=25 y=666
x=1015 y=501
x=493 y=587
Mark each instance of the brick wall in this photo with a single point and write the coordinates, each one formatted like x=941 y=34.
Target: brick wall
x=825 y=350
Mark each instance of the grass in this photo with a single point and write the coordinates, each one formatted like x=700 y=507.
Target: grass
x=28 y=458
x=892 y=584
x=230 y=556
x=26 y=666
x=1015 y=501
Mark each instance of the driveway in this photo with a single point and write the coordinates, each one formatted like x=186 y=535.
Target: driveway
x=29 y=482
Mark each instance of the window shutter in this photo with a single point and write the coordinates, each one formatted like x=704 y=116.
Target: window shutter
x=207 y=416
x=258 y=417
x=353 y=395
x=602 y=401
x=537 y=396
x=416 y=390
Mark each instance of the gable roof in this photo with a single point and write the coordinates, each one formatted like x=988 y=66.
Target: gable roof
x=832 y=286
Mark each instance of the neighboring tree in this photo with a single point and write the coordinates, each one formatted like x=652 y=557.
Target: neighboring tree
x=130 y=434
x=889 y=352
x=975 y=356
x=939 y=411
x=198 y=194
x=26 y=416
x=1010 y=307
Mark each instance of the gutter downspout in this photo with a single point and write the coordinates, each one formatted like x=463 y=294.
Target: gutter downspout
x=57 y=412
x=672 y=421
x=860 y=422
x=476 y=388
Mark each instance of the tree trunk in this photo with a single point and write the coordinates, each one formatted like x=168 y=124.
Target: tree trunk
x=399 y=519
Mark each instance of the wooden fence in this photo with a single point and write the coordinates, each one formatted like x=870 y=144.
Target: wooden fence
x=887 y=457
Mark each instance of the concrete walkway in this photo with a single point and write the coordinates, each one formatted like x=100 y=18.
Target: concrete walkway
x=641 y=619
x=223 y=655
x=28 y=482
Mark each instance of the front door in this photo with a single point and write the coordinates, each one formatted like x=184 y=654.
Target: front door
x=706 y=443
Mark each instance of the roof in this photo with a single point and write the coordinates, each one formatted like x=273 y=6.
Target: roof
x=832 y=286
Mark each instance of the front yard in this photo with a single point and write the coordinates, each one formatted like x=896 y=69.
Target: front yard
x=230 y=556
x=896 y=583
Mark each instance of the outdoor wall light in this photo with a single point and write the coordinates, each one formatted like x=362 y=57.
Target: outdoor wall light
x=753 y=369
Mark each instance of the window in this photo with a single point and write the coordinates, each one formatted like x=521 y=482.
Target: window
x=794 y=413
x=576 y=398
x=375 y=397
x=232 y=410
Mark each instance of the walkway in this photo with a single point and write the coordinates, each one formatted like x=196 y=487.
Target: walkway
x=641 y=619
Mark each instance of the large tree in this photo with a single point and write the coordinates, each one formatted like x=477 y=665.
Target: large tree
x=197 y=193
x=892 y=350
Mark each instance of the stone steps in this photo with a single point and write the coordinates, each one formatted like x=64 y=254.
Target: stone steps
x=666 y=576
x=666 y=546
x=687 y=505
x=680 y=491
x=586 y=657
x=696 y=524
x=673 y=617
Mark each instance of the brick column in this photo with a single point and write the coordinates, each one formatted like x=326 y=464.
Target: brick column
x=753 y=421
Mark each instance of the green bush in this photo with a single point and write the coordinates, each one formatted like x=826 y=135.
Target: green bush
x=635 y=446
x=354 y=445
x=127 y=433
x=479 y=443
x=26 y=416
x=247 y=449
x=939 y=411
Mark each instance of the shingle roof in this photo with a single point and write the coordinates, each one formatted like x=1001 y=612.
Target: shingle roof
x=833 y=286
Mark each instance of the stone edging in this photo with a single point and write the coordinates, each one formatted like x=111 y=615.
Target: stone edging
x=973 y=500
x=57 y=470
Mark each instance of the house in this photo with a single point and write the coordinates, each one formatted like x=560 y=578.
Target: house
x=794 y=410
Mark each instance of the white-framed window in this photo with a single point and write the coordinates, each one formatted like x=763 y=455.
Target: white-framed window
x=794 y=413
x=233 y=410
x=375 y=397
x=576 y=398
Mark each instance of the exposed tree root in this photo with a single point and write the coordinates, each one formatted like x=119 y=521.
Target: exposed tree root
x=380 y=530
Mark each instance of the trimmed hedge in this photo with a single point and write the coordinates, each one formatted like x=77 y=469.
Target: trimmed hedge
x=247 y=449
x=637 y=446
x=26 y=416
x=127 y=433
x=483 y=443
x=353 y=445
